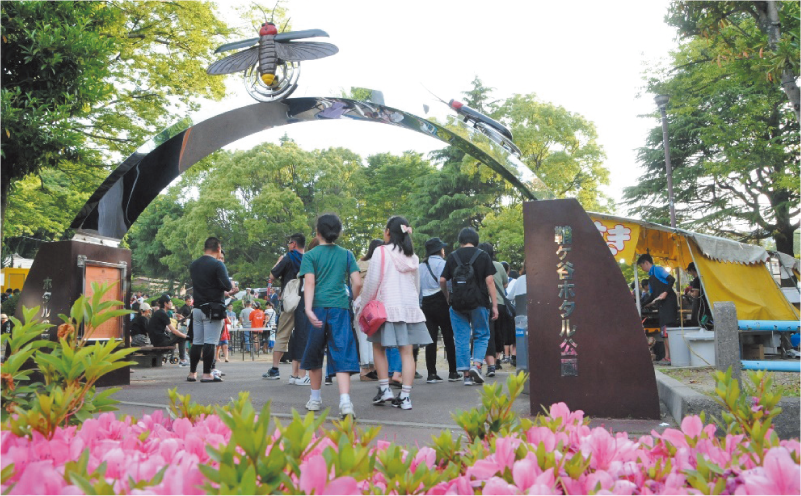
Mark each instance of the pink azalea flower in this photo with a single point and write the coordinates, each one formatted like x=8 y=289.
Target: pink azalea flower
x=40 y=478
x=483 y=469
x=692 y=426
x=426 y=456
x=314 y=475
x=779 y=474
x=505 y=448
x=496 y=485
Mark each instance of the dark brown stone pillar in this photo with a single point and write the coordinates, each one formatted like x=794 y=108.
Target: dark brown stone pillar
x=587 y=347
x=64 y=270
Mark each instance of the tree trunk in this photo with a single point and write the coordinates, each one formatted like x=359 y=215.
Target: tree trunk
x=784 y=241
x=773 y=30
x=5 y=188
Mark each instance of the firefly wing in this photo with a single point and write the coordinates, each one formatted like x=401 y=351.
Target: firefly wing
x=304 y=50
x=237 y=44
x=236 y=62
x=295 y=35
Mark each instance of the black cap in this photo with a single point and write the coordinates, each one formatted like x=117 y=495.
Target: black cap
x=433 y=246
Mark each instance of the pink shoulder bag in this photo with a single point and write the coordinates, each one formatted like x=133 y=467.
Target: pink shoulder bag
x=374 y=314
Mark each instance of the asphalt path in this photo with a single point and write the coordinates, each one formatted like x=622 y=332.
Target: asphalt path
x=433 y=404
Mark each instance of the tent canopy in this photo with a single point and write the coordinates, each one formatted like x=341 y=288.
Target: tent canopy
x=729 y=271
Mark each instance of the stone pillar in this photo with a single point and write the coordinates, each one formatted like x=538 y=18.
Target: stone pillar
x=727 y=338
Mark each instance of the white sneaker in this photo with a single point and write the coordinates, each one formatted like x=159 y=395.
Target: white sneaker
x=383 y=395
x=217 y=372
x=292 y=379
x=317 y=405
x=346 y=409
x=475 y=374
x=302 y=381
x=403 y=403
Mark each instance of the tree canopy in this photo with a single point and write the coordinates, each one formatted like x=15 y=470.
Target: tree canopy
x=734 y=147
x=85 y=83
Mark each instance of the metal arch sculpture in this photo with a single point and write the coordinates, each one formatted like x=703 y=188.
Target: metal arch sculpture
x=130 y=188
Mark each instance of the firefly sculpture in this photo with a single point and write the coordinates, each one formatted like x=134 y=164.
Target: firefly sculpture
x=272 y=67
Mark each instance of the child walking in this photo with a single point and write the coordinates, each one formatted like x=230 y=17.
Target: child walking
x=394 y=280
x=325 y=270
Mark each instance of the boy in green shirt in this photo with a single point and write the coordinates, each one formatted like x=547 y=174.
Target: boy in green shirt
x=325 y=270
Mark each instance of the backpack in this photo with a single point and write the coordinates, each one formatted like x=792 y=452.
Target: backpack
x=291 y=293
x=466 y=292
x=291 y=296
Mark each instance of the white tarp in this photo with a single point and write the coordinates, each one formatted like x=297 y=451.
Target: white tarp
x=726 y=250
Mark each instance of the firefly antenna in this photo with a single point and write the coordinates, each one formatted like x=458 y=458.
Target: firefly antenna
x=262 y=11
x=272 y=16
x=285 y=25
x=434 y=95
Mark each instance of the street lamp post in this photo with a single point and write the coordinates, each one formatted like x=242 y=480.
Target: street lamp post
x=661 y=101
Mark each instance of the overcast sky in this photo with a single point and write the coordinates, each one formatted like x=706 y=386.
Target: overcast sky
x=585 y=56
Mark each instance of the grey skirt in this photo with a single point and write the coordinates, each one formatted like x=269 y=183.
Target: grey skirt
x=394 y=334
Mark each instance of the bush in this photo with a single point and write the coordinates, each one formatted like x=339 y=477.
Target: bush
x=70 y=368
x=9 y=307
x=239 y=450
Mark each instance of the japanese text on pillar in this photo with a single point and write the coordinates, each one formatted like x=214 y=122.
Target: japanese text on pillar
x=563 y=237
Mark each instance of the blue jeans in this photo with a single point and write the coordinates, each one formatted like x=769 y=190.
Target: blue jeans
x=477 y=321
x=337 y=334
x=394 y=360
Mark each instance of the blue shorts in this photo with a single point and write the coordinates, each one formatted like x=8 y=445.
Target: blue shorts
x=337 y=333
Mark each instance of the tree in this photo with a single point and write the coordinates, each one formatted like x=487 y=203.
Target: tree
x=147 y=249
x=560 y=147
x=84 y=82
x=743 y=30
x=734 y=150
x=387 y=185
x=253 y=200
x=54 y=65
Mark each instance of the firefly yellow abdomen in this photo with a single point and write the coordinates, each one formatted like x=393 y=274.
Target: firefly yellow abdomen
x=268 y=58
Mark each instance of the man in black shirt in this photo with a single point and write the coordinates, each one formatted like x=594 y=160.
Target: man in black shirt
x=139 y=335
x=160 y=329
x=210 y=284
x=476 y=318
x=185 y=311
x=286 y=269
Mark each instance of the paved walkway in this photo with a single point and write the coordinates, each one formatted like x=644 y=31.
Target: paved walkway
x=433 y=403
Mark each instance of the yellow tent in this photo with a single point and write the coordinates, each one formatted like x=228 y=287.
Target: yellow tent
x=729 y=271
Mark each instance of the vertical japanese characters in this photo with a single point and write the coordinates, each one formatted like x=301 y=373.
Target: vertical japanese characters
x=563 y=237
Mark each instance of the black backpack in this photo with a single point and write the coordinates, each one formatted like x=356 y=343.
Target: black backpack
x=466 y=291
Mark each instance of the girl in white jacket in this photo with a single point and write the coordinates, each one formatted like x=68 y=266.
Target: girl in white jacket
x=398 y=289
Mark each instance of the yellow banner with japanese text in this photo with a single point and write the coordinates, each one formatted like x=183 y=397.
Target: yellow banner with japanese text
x=620 y=237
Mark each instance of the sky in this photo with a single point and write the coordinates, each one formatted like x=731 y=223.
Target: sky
x=585 y=56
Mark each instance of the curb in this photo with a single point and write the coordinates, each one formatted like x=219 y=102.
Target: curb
x=681 y=400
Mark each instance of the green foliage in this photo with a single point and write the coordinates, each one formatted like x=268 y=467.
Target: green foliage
x=146 y=248
x=55 y=64
x=263 y=456
x=505 y=231
x=734 y=137
x=749 y=411
x=85 y=82
x=70 y=370
x=560 y=147
x=495 y=417
x=9 y=307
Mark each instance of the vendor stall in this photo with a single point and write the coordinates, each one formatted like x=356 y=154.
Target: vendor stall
x=728 y=270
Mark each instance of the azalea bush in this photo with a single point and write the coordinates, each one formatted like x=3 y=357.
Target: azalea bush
x=238 y=450
x=69 y=367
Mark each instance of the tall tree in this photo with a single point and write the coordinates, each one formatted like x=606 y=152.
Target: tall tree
x=560 y=147
x=86 y=81
x=388 y=183
x=742 y=30
x=734 y=149
x=54 y=65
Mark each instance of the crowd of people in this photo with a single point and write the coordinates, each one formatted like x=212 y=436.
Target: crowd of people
x=319 y=321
